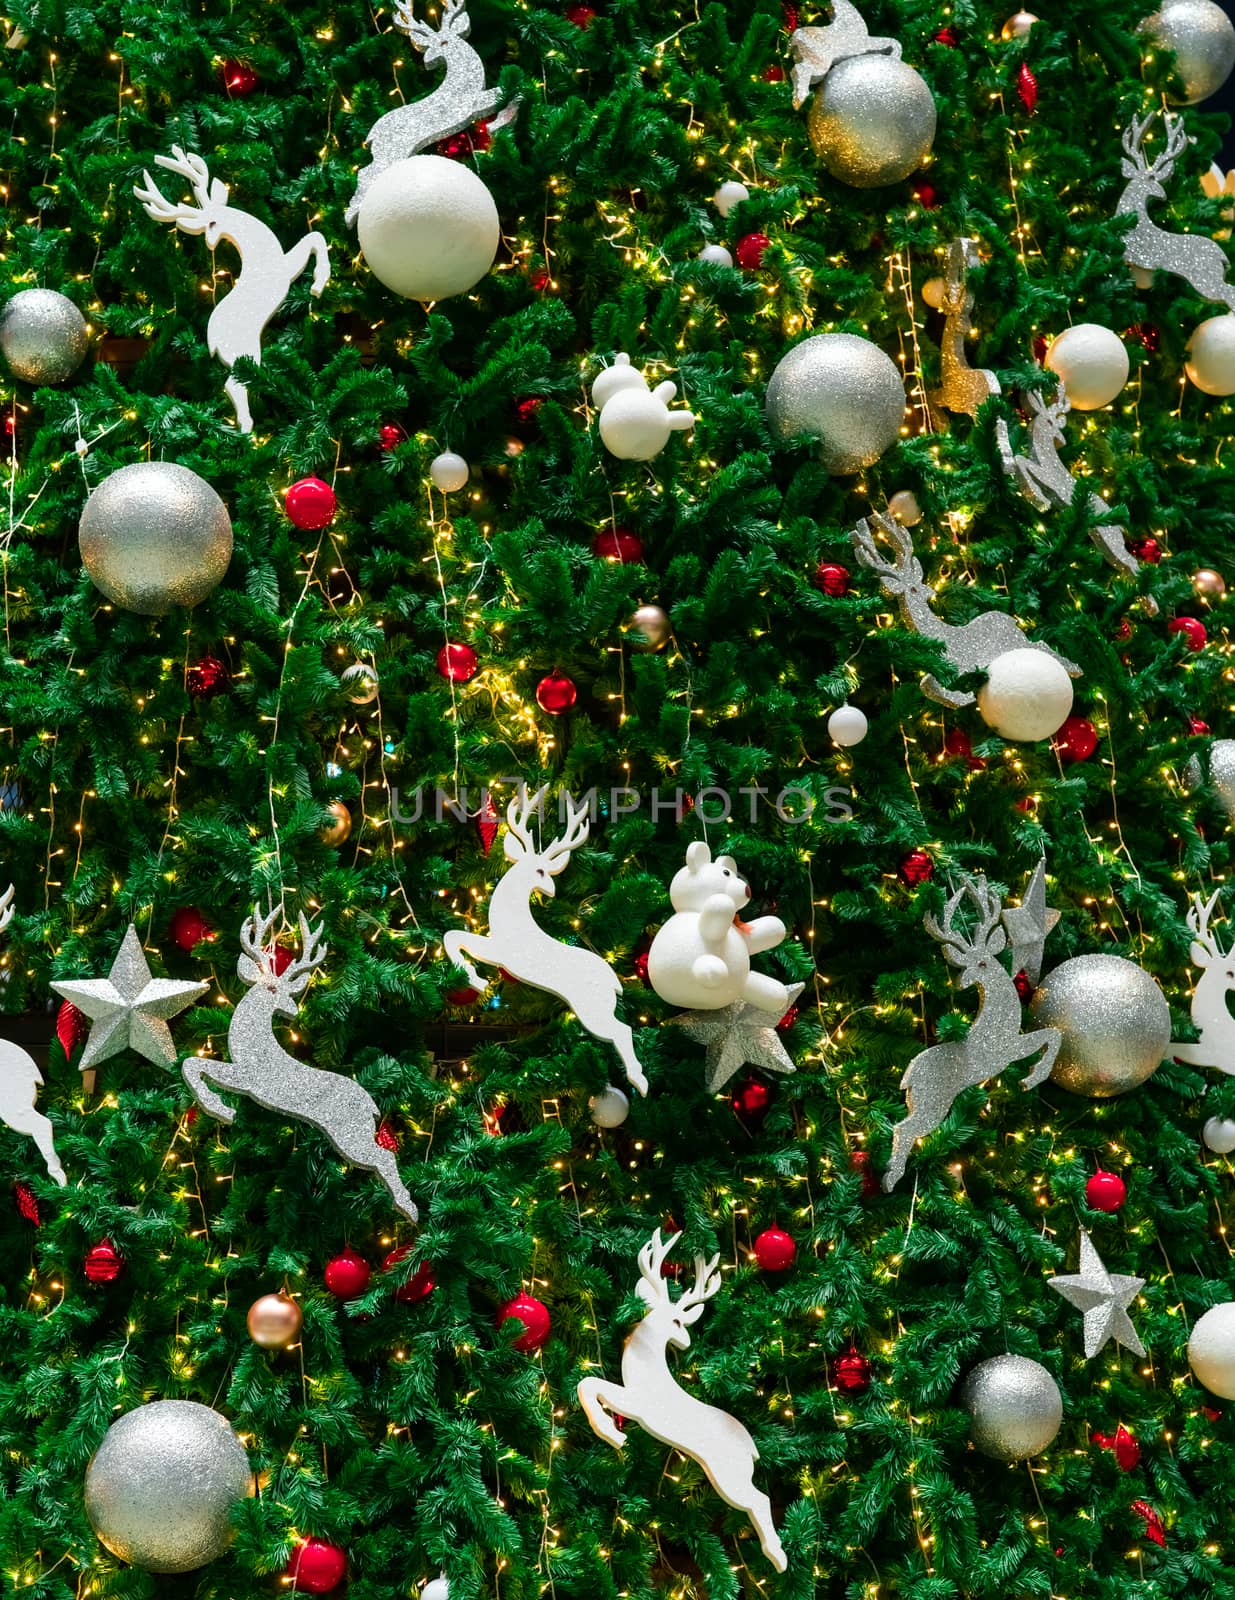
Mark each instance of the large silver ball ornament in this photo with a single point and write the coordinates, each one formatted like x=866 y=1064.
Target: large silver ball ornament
x=1222 y=773
x=43 y=336
x=872 y=121
x=1203 y=39
x=1015 y=1407
x=845 y=391
x=1115 y=1022
x=153 y=536
x=161 y=1487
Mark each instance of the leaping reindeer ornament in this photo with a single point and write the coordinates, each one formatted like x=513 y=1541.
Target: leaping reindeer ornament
x=266 y=272
x=649 y=1394
x=936 y=1076
x=260 y=1068
x=584 y=980
x=817 y=50
x=19 y=1084
x=1216 y=1046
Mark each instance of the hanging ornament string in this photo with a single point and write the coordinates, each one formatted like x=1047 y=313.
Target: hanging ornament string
x=443 y=531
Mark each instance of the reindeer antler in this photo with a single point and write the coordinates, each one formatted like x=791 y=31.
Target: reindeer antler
x=6 y=908
x=192 y=167
x=904 y=565
x=1198 y=921
x=557 y=854
x=253 y=936
x=651 y=1260
x=958 y=947
x=420 y=33
x=518 y=838
x=707 y=1282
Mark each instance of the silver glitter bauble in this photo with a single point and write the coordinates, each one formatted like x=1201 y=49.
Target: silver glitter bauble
x=360 y=683
x=1203 y=39
x=161 y=1487
x=43 y=336
x=1115 y=1022
x=1015 y=1406
x=1211 y=1350
x=1222 y=773
x=872 y=121
x=153 y=536
x=651 y=627
x=845 y=391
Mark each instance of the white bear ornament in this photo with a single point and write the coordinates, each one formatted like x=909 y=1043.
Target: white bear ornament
x=635 y=421
x=701 y=957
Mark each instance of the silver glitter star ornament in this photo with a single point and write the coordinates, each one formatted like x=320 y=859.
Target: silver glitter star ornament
x=129 y=1009
x=1028 y=925
x=739 y=1034
x=1104 y=1299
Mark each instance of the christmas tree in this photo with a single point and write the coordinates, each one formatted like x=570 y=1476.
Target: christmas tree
x=469 y=471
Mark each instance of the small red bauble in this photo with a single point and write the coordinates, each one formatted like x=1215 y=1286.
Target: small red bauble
x=457 y=662
x=316 y=1566
x=386 y=1137
x=1213 y=1413
x=925 y=194
x=238 y=78
x=103 y=1263
x=1041 y=344
x=556 y=693
x=419 y=1286
x=752 y=1098
x=775 y=1251
x=640 y=966
x=1024 y=986
x=347 y=1275
x=534 y=1316
x=947 y=36
x=1147 y=550
x=1192 y=629
x=72 y=1027
x=617 y=544
x=1106 y=1191
x=1145 y=334
x=773 y=74
x=207 y=678
x=1197 y=726
x=1028 y=804
x=1126 y=1450
x=188 y=928
x=851 y=1373
x=1077 y=739
x=310 y=504
x=582 y=16
x=916 y=868
x=860 y=1161
x=1026 y=88
x=1124 y=630
x=831 y=578
x=749 y=251
x=1155 y=1528
x=527 y=408
x=788 y=1020
x=27 y=1204
x=957 y=742
x=281 y=959
x=789 y=16
x=462 y=997
x=391 y=435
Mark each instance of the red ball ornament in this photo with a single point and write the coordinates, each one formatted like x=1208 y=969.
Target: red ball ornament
x=316 y=1566
x=1197 y=726
x=832 y=579
x=238 y=78
x=386 y=1137
x=1192 y=629
x=582 y=16
x=788 y=1020
x=789 y=16
x=916 y=868
x=948 y=37
x=775 y=1251
x=956 y=742
x=188 y=928
x=1146 y=335
x=103 y=1263
x=851 y=1373
x=534 y=1316
x=1024 y=986
x=751 y=1099
x=640 y=965
x=527 y=408
x=749 y=250
x=556 y=693
x=860 y=1161
x=72 y=1027
x=457 y=663
x=1126 y=1450
x=281 y=959
x=1124 y=629
x=391 y=435
x=347 y=1275
x=1105 y=1191
x=206 y=678
x=419 y=1286
x=1147 y=550
x=310 y=504
x=1026 y=88
x=773 y=74
x=26 y=1202
x=618 y=544
x=1041 y=344
x=925 y=194
x=1077 y=739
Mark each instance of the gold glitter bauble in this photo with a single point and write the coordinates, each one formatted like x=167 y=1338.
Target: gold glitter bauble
x=274 y=1321
x=155 y=535
x=872 y=121
x=1015 y=1407
x=1115 y=1022
x=652 y=622
x=338 y=831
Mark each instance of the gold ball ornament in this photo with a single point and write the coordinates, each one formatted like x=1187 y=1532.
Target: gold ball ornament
x=1208 y=584
x=1115 y=1023
x=274 y=1321
x=905 y=508
x=1017 y=25
x=652 y=623
x=339 y=830
x=872 y=121
x=934 y=293
x=1202 y=39
x=43 y=336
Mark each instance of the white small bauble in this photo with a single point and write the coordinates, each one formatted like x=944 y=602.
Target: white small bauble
x=1027 y=695
x=716 y=254
x=448 y=472
x=428 y=228
x=847 y=726
x=1092 y=362
x=1211 y=1350
x=1219 y=1135
x=934 y=293
x=845 y=391
x=905 y=508
x=436 y=1589
x=360 y=683
x=730 y=194
x=610 y=1108
x=1203 y=40
x=1211 y=355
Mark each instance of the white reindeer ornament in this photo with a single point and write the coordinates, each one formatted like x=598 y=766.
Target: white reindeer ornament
x=19 y=1084
x=266 y=272
x=1216 y=1046
x=260 y=1068
x=649 y=1394
x=583 y=979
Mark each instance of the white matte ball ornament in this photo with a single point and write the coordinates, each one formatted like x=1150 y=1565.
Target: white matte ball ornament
x=847 y=726
x=43 y=336
x=436 y=1589
x=428 y=228
x=729 y=195
x=610 y=1108
x=1219 y=1135
x=1015 y=1407
x=1093 y=363
x=716 y=254
x=1211 y=1350
x=845 y=391
x=448 y=472
x=872 y=121
x=1027 y=695
x=360 y=684
x=1211 y=356
x=1203 y=39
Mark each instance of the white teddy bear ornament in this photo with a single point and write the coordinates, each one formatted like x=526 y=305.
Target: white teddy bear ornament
x=635 y=422
x=701 y=957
